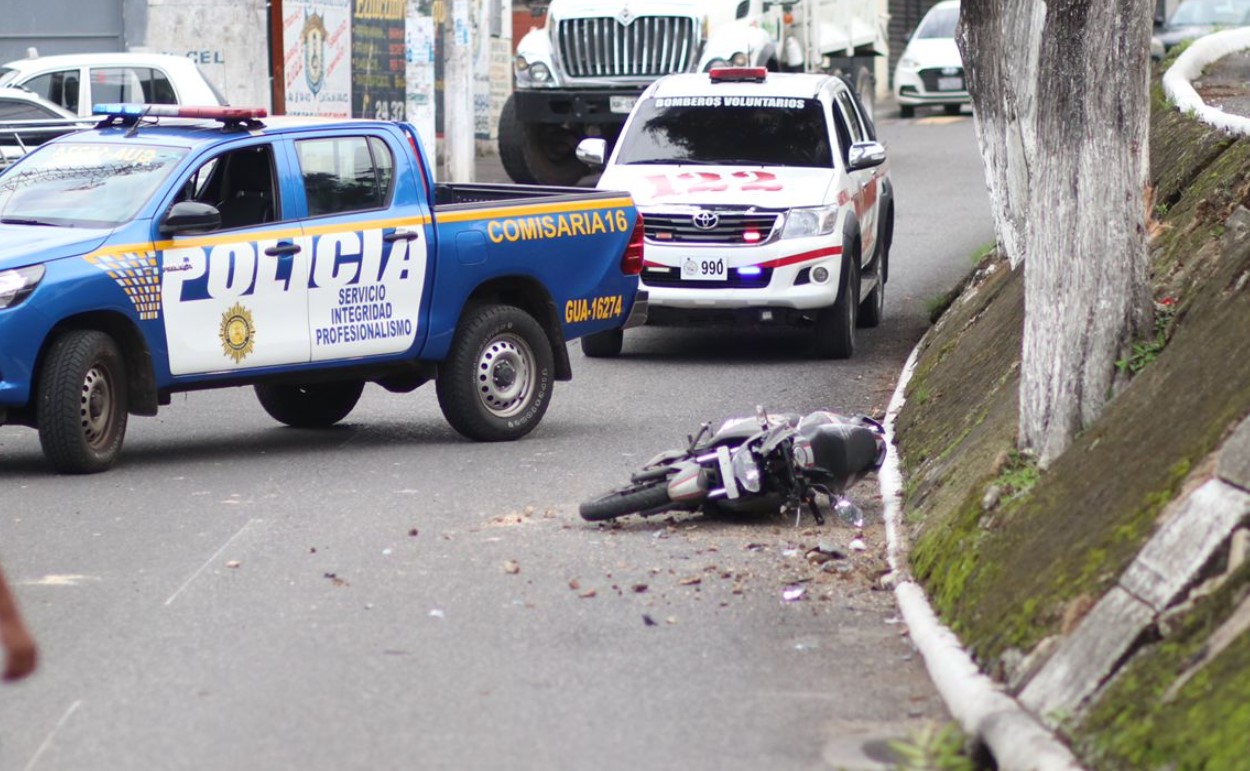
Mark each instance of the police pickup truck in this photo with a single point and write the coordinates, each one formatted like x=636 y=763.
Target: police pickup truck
x=152 y=255
x=767 y=199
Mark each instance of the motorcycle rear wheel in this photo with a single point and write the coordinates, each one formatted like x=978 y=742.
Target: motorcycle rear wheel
x=642 y=499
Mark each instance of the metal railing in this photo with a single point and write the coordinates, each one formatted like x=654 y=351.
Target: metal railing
x=18 y=137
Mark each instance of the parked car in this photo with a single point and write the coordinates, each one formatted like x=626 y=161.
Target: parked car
x=27 y=121
x=79 y=81
x=931 y=71
x=1195 y=18
x=766 y=199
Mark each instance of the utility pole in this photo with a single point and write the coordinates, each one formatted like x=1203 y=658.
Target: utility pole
x=277 y=59
x=458 y=137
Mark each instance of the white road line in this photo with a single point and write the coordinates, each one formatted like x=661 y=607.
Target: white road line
x=210 y=561
x=47 y=742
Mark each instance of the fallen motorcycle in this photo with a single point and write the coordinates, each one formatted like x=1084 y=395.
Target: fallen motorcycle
x=759 y=464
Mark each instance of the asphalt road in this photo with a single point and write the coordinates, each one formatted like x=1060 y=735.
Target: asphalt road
x=384 y=595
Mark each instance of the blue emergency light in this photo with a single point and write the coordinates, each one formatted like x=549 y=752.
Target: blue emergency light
x=129 y=113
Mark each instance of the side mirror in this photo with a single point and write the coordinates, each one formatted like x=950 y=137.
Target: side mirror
x=190 y=217
x=865 y=155
x=592 y=151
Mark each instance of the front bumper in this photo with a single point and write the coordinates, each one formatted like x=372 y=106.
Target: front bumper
x=911 y=88
x=564 y=105
x=788 y=280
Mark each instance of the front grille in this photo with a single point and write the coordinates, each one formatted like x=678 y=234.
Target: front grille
x=730 y=229
x=647 y=46
x=930 y=78
x=653 y=276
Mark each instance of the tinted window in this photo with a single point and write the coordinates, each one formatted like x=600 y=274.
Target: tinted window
x=19 y=110
x=240 y=184
x=57 y=87
x=345 y=174
x=851 y=115
x=769 y=131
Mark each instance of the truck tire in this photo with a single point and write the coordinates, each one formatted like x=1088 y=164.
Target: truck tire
x=319 y=405
x=82 y=403
x=496 y=383
x=603 y=345
x=647 y=498
x=835 y=325
x=537 y=153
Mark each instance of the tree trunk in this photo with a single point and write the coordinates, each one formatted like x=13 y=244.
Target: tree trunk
x=1061 y=97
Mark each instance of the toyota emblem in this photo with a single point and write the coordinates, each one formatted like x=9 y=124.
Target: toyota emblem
x=705 y=220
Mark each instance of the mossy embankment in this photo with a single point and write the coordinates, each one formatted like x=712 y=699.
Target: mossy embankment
x=1011 y=557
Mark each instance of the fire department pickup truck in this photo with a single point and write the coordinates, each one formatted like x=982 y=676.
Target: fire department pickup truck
x=766 y=198
x=304 y=257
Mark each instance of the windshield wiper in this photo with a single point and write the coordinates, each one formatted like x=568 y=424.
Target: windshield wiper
x=25 y=221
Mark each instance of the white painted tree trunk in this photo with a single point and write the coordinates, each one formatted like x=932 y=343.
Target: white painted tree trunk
x=1060 y=91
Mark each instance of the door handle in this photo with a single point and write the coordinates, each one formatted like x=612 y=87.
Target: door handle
x=400 y=235
x=282 y=250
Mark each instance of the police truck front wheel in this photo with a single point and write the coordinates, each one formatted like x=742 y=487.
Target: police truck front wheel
x=319 y=405
x=82 y=406
x=496 y=383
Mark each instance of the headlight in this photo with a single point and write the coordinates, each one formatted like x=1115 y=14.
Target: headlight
x=540 y=73
x=716 y=64
x=519 y=64
x=810 y=221
x=908 y=63
x=746 y=470
x=16 y=284
x=739 y=59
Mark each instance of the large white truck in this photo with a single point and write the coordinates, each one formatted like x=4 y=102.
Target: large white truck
x=580 y=73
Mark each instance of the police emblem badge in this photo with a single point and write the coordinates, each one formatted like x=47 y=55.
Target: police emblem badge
x=238 y=333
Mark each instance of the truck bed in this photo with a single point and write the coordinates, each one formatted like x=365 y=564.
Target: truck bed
x=467 y=195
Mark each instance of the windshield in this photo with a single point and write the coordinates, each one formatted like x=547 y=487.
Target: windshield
x=939 y=22
x=83 y=184
x=729 y=131
x=1209 y=13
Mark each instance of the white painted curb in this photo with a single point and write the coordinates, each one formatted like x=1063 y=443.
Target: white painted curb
x=1188 y=67
x=1017 y=741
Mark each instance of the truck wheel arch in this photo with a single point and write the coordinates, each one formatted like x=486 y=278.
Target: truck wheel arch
x=531 y=296
x=143 y=398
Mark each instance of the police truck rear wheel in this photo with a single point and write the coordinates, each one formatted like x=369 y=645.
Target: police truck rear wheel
x=496 y=383
x=82 y=406
x=319 y=405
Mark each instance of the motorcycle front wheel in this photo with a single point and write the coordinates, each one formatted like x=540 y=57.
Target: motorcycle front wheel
x=648 y=498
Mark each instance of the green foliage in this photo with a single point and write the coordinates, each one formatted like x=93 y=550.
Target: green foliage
x=1019 y=474
x=985 y=251
x=934 y=747
x=939 y=305
x=1145 y=352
